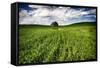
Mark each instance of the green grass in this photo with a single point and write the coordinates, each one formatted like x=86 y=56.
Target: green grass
x=44 y=44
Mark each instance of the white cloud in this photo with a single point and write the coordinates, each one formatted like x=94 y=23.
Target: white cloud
x=42 y=12
x=35 y=6
x=46 y=15
x=23 y=13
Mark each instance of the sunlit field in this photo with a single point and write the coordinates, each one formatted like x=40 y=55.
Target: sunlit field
x=46 y=44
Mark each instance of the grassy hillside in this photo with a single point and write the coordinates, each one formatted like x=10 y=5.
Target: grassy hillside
x=43 y=44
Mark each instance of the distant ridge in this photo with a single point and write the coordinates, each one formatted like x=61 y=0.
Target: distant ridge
x=83 y=23
x=75 y=24
x=34 y=24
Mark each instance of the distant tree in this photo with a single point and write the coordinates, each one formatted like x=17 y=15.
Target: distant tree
x=54 y=24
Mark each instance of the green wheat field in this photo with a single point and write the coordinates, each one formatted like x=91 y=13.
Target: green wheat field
x=46 y=44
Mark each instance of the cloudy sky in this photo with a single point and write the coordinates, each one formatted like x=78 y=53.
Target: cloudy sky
x=45 y=15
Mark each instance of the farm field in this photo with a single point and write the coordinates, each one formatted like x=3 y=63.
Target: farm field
x=45 y=44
